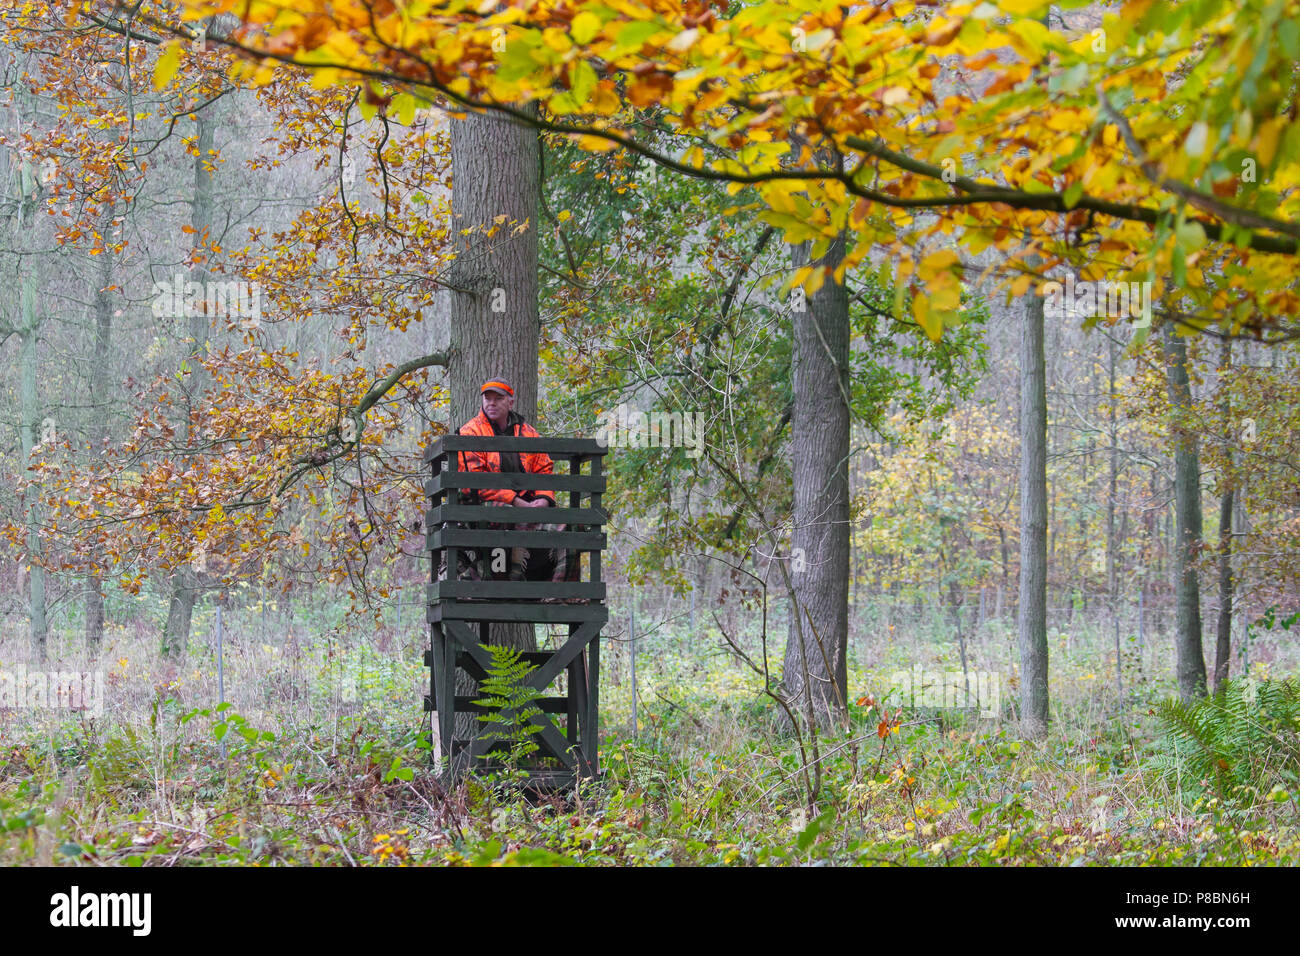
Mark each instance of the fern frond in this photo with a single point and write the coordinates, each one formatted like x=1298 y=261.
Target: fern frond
x=1245 y=738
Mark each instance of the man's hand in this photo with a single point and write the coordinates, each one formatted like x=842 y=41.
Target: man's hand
x=535 y=503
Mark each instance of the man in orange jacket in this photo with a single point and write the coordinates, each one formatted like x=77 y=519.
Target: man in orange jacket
x=497 y=417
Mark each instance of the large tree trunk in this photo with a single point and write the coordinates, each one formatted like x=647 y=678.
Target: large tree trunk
x=816 y=677
x=1033 y=522
x=494 y=309
x=1187 y=504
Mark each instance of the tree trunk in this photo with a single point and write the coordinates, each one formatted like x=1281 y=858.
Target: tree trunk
x=816 y=675
x=1187 y=502
x=180 y=612
x=1112 y=543
x=1223 y=641
x=187 y=582
x=494 y=308
x=1032 y=637
x=31 y=431
x=94 y=612
x=98 y=432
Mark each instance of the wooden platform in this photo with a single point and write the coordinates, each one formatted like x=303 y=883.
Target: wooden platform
x=460 y=612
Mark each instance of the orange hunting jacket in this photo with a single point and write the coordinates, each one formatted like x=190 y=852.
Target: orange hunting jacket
x=537 y=463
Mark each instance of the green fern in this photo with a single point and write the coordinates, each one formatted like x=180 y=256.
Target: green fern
x=512 y=703
x=1236 y=743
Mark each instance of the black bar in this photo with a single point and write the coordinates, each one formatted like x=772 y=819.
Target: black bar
x=514 y=590
x=472 y=538
x=499 y=443
x=517 y=481
x=525 y=613
x=512 y=515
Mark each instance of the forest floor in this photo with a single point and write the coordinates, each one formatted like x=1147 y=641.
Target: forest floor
x=326 y=761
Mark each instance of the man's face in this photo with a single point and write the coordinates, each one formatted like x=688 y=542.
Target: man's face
x=497 y=405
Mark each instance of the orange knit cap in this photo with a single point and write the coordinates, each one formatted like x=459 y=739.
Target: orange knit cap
x=499 y=385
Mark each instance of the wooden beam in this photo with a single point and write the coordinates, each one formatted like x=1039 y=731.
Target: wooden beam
x=513 y=590
x=555 y=447
x=518 y=481
x=471 y=538
x=511 y=515
x=523 y=613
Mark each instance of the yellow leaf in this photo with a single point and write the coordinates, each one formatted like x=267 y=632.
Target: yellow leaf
x=941 y=32
x=1028 y=38
x=779 y=198
x=606 y=100
x=1022 y=7
x=403 y=107
x=815 y=281
x=930 y=321
x=1266 y=140
x=594 y=144
x=166 y=66
x=585 y=26
x=799 y=276
x=937 y=262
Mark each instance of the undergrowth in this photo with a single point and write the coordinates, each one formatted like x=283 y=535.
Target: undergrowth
x=705 y=776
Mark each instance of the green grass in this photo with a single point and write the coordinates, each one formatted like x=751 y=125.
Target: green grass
x=327 y=763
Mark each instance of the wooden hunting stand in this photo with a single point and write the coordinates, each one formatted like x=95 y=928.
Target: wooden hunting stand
x=460 y=612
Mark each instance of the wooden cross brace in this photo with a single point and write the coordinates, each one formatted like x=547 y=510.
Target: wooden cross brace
x=548 y=737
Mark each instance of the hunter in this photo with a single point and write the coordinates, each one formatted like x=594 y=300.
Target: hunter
x=498 y=417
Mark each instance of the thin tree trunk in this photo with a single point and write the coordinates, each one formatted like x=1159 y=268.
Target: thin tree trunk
x=30 y=429
x=1033 y=523
x=94 y=611
x=1187 y=502
x=1223 y=641
x=816 y=673
x=1112 y=543
x=98 y=431
x=187 y=582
